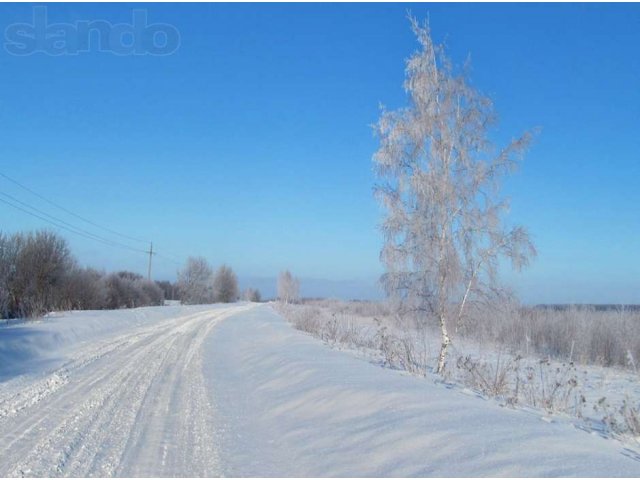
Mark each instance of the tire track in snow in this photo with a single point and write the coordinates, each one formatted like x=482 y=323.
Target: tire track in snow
x=12 y=403
x=31 y=419
x=153 y=434
x=135 y=406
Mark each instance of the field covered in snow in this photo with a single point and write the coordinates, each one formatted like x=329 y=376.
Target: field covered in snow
x=588 y=380
x=237 y=391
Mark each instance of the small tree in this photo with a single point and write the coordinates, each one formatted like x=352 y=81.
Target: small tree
x=122 y=290
x=169 y=289
x=42 y=264
x=225 y=285
x=9 y=247
x=85 y=289
x=150 y=292
x=195 y=282
x=252 y=295
x=443 y=233
x=288 y=287
x=256 y=296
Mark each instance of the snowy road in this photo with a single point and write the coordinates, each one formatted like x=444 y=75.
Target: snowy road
x=133 y=405
x=235 y=391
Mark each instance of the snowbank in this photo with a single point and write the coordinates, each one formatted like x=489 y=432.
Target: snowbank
x=289 y=406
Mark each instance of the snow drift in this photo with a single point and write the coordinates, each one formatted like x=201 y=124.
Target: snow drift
x=289 y=406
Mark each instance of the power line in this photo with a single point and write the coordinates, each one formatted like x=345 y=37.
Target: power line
x=70 y=229
x=81 y=233
x=60 y=223
x=70 y=212
x=168 y=258
x=56 y=219
x=171 y=257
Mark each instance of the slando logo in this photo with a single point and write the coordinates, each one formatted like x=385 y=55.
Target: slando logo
x=137 y=38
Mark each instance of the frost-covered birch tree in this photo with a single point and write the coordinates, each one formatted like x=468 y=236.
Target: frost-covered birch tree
x=439 y=184
x=195 y=282
x=288 y=287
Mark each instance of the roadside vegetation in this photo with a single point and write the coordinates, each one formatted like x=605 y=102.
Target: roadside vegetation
x=288 y=287
x=39 y=274
x=576 y=361
x=199 y=284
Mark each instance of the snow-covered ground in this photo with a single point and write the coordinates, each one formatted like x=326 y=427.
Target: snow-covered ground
x=236 y=391
x=113 y=398
x=596 y=398
x=34 y=346
x=287 y=405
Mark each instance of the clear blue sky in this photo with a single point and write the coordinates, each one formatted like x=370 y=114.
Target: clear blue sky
x=252 y=145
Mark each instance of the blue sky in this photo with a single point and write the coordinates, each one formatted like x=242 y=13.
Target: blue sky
x=251 y=144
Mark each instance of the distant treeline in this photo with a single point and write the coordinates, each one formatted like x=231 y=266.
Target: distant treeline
x=38 y=274
x=561 y=307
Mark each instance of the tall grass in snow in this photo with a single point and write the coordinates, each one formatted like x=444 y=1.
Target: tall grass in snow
x=578 y=334
x=531 y=355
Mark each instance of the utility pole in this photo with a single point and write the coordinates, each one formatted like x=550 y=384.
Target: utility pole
x=150 y=256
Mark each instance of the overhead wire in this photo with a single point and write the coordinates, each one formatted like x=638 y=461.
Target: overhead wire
x=60 y=223
x=168 y=258
x=67 y=228
x=90 y=222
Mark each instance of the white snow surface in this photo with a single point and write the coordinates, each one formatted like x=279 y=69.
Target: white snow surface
x=236 y=391
x=33 y=346
x=287 y=405
x=121 y=394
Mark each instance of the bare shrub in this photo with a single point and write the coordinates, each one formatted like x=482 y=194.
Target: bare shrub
x=573 y=334
x=252 y=295
x=9 y=247
x=150 y=293
x=85 y=290
x=195 y=282
x=39 y=274
x=491 y=378
x=169 y=290
x=225 y=285
x=119 y=292
x=542 y=384
x=631 y=415
x=624 y=420
x=359 y=308
x=333 y=322
x=303 y=317
x=552 y=387
x=130 y=290
x=33 y=271
x=398 y=349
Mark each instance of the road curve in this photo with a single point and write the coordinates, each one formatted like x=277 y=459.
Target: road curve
x=133 y=405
